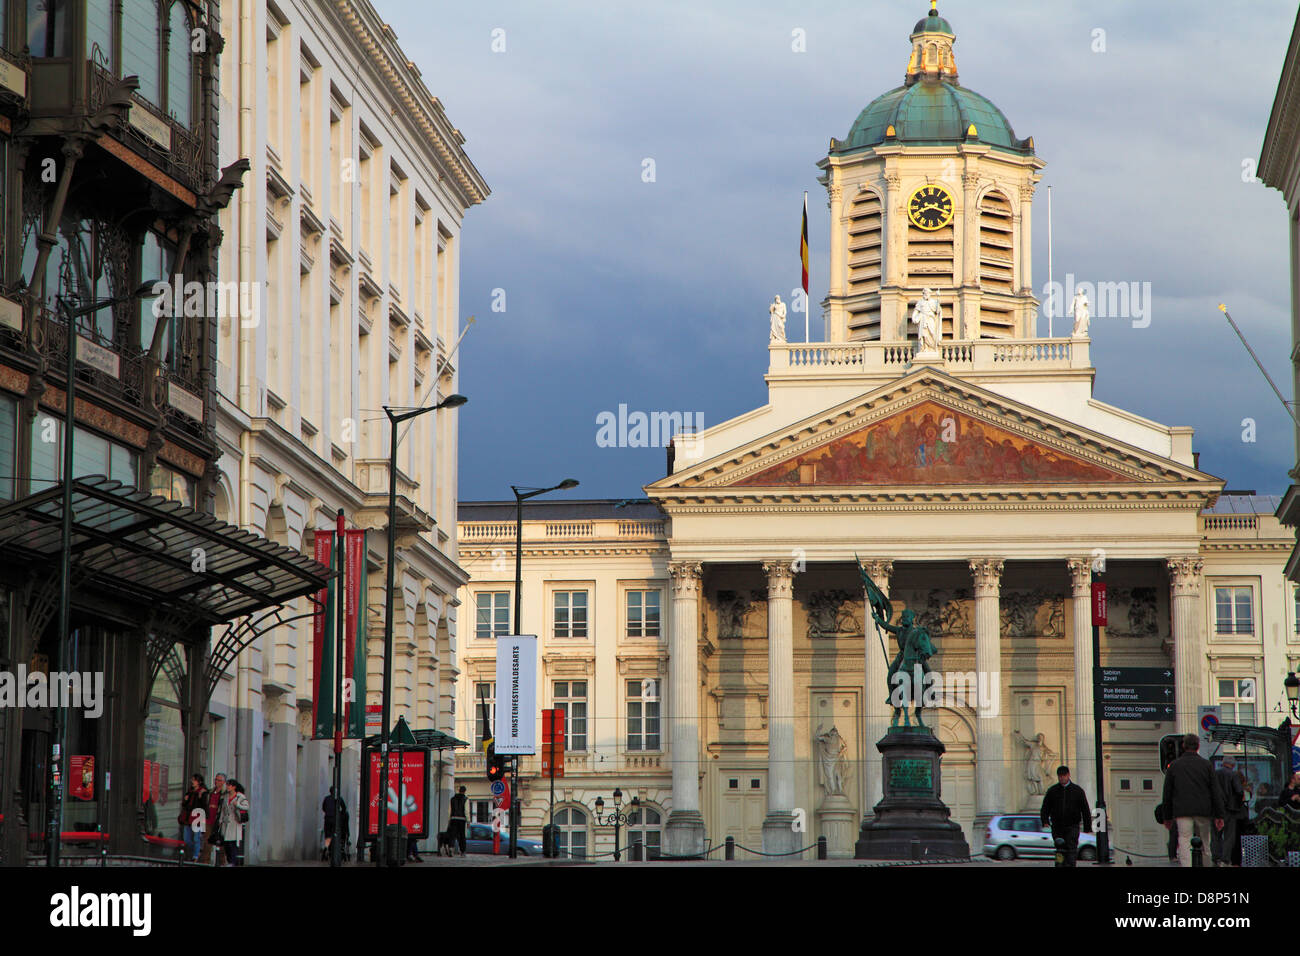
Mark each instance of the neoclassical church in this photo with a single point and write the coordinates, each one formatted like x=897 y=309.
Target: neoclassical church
x=979 y=483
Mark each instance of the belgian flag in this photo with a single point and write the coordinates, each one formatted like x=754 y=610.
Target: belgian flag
x=803 y=246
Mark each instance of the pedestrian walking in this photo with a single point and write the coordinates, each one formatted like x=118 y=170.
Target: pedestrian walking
x=332 y=808
x=212 y=845
x=1192 y=798
x=231 y=819
x=194 y=801
x=1223 y=842
x=458 y=819
x=1065 y=809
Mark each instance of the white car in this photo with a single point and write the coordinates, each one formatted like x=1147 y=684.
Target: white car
x=1013 y=835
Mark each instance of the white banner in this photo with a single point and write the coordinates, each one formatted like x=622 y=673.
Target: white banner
x=516 y=724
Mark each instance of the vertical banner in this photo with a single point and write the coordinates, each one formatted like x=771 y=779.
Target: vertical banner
x=322 y=688
x=1098 y=603
x=354 y=650
x=354 y=647
x=516 y=725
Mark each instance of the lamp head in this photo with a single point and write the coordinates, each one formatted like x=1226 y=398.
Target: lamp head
x=568 y=483
x=453 y=401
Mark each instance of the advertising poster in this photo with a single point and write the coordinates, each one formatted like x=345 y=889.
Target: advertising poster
x=406 y=790
x=81 y=776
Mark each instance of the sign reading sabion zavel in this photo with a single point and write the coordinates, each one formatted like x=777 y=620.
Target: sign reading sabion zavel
x=516 y=724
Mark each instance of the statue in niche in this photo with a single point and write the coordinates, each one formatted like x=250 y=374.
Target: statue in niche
x=1134 y=613
x=834 y=765
x=733 y=607
x=1038 y=758
x=777 y=311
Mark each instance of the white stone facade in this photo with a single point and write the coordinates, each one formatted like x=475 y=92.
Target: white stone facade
x=346 y=234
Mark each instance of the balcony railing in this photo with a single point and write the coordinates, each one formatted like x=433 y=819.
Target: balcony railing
x=181 y=156
x=596 y=529
x=893 y=358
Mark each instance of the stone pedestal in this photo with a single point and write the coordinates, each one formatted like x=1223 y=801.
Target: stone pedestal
x=780 y=835
x=837 y=820
x=911 y=822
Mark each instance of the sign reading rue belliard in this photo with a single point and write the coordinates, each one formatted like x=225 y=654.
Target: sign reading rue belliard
x=516 y=724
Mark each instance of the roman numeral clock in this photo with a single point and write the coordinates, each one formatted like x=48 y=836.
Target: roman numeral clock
x=930 y=208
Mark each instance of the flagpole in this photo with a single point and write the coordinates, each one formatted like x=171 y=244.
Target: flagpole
x=807 y=299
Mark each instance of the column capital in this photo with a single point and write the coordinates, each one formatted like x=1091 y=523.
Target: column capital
x=1185 y=575
x=1080 y=575
x=780 y=579
x=988 y=576
x=879 y=570
x=685 y=576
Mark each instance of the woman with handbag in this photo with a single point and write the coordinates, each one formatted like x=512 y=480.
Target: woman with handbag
x=231 y=819
x=194 y=801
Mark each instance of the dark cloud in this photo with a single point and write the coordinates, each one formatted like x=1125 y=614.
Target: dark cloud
x=654 y=294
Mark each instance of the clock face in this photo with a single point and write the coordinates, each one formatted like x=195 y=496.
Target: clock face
x=930 y=208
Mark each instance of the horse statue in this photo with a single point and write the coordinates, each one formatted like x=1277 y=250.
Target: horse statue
x=914 y=651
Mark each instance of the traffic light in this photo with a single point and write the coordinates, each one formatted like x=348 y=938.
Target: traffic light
x=1169 y=747
x=495 y=765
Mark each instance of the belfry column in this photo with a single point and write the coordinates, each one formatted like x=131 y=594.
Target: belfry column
x=1083 y=765
x=990 y=757
x=1189 y=642
x=875 y=705
x=779 y=835
x=684 y=832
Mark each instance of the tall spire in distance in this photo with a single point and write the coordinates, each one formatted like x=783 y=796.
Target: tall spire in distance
x=932 y=57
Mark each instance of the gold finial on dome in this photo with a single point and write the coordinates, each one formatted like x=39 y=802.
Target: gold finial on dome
x=932 y=57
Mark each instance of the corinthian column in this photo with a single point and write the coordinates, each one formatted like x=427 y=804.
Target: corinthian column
x=990 y=758
x=684 y=832
x=1189 y=642
x=1083 y=768
x=779 y=835
x=875 y=704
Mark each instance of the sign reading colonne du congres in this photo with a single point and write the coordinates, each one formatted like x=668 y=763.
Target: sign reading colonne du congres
x=516 y=723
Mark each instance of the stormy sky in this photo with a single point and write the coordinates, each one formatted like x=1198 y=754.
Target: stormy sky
x=654 y=294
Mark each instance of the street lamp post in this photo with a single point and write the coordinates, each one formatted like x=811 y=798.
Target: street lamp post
x=618 y=818
x=523 y=493
x=1292 y=685
x=395 y=418
x=53 y=845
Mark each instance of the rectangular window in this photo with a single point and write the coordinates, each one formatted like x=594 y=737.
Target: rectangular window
x=99 y=33
x=643 y=715
x=570 y=613
x=8 y=446
x=1234 y=610
x=484 y=722
x=492 y=614
x=642 y=613
x=571 y=697
x=480 y=811
x=172 y=485
x=91 y=455
x=1237 y=698
x=1296 y=598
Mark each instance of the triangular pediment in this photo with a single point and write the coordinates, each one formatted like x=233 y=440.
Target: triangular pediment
x=932 y=443
x=931 y=431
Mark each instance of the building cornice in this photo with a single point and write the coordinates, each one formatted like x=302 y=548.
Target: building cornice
x=401 y=78
x=1277 y=155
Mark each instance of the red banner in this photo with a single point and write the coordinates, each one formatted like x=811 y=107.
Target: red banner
x=148 y=781
x=1098 y=603
x=324 y=631
x=553 y=742
x=411 y=796
x=159 y=797
x=81 y=776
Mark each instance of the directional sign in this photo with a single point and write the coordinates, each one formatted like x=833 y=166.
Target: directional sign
x=1125 y=711
x=498 y=787
x=1140 y=694
x=1134 y=675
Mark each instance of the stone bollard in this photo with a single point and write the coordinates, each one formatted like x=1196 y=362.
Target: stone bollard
x=730 y=851
x=1198 y=852
x=821 y=848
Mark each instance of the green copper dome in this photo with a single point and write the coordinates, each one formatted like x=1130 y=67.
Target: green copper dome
x=933 y=24
x=931 y=113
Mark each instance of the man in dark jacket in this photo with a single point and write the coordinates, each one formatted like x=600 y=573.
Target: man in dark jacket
x=457 y=820
x=1191 y=798
x=1065 y=809
x=1224 y=842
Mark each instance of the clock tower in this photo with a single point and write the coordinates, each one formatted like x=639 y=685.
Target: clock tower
x=931 y=189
